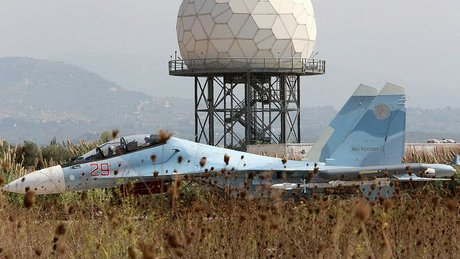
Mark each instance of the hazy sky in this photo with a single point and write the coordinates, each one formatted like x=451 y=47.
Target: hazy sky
x=408 y=42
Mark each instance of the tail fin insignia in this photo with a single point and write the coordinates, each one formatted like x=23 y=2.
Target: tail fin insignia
x=377 y=137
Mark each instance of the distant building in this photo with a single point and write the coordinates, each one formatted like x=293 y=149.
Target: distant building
x=448 y=141
x=444 y=141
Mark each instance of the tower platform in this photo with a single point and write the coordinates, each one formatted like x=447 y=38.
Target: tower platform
x=240 y=102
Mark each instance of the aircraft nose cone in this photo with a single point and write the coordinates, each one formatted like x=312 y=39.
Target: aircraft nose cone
x=46 y=181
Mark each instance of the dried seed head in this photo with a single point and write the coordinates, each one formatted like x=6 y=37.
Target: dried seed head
x=322 y=246
x=227 y=159
x=452 y=205
x=29 y=199
x=363 y=212
x=284 y=160
x=202 y=161
x=164 y=136
x=60 y=229
x=2 y=181
x=435 y=200
x=147 y=251
x=115 y=133
x=274 y=226
x=71 y=210
x=84 y=196
x=61 y=250
x=153 y=157
x=172 y=240
x=156 y=173
x=385 y=225
x=243 y=194
x=130 y=230
x=198 y=207
x=5 y=166
x=131 y=253
x=115 y=222
x=262 y=216
x=179 y=252
x=38 y=252
x=387 y=204
x=315 y=170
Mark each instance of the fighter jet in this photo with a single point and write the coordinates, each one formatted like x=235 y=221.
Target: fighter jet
x=364 y=142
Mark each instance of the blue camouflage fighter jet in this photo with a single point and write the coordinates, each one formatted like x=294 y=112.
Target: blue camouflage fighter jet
x=364 y=141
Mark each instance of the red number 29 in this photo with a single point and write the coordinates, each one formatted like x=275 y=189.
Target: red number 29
x=102 y=169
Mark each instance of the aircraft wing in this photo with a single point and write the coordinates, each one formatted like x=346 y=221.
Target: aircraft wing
x=393 y=171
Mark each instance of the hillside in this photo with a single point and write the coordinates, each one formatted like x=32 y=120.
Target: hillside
x=137 y=73
x=44 y=99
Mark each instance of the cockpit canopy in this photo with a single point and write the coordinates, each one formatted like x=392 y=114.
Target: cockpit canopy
x=120 y=146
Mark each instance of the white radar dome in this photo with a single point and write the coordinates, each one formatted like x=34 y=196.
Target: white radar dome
x=255 y=32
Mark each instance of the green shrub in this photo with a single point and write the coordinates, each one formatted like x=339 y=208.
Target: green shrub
x=28 y=154
x=56 y=153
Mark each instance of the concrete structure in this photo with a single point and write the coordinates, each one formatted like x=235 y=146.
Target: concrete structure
x=247 y=57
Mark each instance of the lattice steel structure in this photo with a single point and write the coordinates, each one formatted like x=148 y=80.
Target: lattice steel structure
x=247 y=57
x=238 y=104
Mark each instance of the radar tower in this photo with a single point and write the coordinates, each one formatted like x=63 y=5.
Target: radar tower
x=246 y=58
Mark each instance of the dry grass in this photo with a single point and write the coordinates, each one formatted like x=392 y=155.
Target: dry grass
x=438 y=155
x=207 y=225
x=198 y=222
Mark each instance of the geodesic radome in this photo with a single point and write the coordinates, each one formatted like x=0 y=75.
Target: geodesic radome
x=261 y=32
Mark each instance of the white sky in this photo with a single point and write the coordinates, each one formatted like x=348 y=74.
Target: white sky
x=411 y=42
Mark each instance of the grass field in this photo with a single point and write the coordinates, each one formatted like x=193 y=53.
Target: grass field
x=200 y=222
